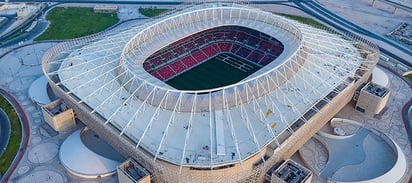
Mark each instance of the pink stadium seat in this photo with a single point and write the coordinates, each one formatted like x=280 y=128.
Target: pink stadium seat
x=264 y=45
x=190 y=46
x=255 y=56
x=185 y=39
x=146 y=66
x=216 y=48
x=266 y=60
x=225 y=47
x=200 y=41
x=199 y=56
x=241 y=36
x=178 y=67
x=179 y=50
x=243 y=52
x=219 y=35
x=231 y=35
x=235 y=48
x=156 y=61
x=168 y=56
x=166 y=72
x=209 y=51
x=208 y=37
x=189 y=61
x=276 y=50
x=201 y=50
x=157 y=75
x=252 y=41
x=178 y=42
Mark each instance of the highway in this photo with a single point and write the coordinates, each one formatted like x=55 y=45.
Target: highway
x=407 y=118
x=309 y=6
x=398 y=5
x=22 y=27
x=27 y=36
x=343 y=25
x=7 y=23
x=4 y=131
x=41 y=26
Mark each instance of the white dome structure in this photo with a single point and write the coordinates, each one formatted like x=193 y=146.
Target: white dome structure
x=76 y=157
x=380 y=77
x=234 y=131
x=38 y=91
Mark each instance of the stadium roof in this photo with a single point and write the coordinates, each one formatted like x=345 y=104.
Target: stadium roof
x=190 y=128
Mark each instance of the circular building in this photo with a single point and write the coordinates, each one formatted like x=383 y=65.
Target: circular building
x=209 y=92
x=84 y=154
x=38 y=91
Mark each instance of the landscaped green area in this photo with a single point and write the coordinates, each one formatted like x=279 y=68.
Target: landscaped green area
x=213 y=73
x=409 y=77
x=151 y=12
x=15 y=136
x=305 y=20
x=73 y=22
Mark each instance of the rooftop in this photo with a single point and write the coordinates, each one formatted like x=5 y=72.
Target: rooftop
x=135 y=171
x=342 y=158
x=209 y=131
x=376 y=90
x=291 y=172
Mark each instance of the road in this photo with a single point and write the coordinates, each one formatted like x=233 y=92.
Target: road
x=4 y=131
x=41 y=26
x=312 y=8
x=23 y=26
x=398 y=5
x=308 y=6
x=25 y=135
x=343 y=25
x=7 y=23
x=407 y=118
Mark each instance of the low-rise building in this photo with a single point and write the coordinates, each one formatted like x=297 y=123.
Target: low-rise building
x=59 y=116
x=105 y=9
x=372 y=99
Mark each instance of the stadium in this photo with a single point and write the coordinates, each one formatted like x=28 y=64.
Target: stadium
x=209 y=92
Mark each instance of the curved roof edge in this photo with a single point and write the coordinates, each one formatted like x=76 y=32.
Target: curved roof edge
x=83 y=162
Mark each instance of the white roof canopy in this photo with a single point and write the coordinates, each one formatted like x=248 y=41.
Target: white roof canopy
x=193 y=129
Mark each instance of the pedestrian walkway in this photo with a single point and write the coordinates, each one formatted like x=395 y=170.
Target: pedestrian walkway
x=390 y=123
x=19 y=68
x=39 y=161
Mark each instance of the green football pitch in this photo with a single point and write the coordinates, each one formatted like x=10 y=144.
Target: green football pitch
x=221 y=70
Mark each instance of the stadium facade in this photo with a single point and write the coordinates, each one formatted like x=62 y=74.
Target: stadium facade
x=116 y=82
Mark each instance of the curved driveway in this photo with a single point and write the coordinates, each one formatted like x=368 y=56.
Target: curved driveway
x=4 y=131
x=25 y=133
x=316 y=10
x=407 y=119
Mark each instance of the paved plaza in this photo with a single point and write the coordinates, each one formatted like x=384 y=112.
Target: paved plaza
x=390 y=123
x=40 y=163
x=18 y=70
